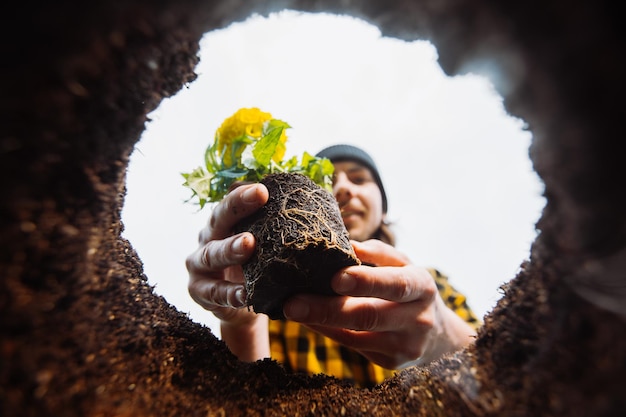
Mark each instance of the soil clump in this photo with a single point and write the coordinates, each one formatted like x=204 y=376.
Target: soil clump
x=301 y=243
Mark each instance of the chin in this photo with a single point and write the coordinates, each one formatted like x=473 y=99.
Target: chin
x=357 y=235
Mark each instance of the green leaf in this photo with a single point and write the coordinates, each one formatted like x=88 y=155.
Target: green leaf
x=234 y=172
x=199 y=182
x=274 y=124
x=239 y=145
x=319 y=170
x=291 y=164
x=210 y=161
x=265 y=148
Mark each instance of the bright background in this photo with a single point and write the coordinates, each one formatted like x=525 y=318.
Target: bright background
x=462 y=193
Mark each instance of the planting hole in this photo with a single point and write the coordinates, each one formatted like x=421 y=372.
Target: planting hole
x=463 y=197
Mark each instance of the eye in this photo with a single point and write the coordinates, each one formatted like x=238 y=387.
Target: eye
x=360 y=177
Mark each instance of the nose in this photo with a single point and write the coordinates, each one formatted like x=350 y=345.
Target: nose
x=342 y=188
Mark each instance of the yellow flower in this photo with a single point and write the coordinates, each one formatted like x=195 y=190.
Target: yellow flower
x=262 y=139
x=253 y=119
x=245 y=123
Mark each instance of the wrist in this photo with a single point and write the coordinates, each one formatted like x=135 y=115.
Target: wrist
x=449 y=334
x=453 y=334
x=248 y=340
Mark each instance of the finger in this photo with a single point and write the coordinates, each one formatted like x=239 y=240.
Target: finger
x=219 y=254
x=361 y=314
x=238 y=204
x=376 y=345
x=213 y=294
x=375 y=252
x=400 y=284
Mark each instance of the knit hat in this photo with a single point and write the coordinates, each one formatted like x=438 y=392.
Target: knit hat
x=338 y=153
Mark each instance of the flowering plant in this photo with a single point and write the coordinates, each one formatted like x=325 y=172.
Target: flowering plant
x=249 y=145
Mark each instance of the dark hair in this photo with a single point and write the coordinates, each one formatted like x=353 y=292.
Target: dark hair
x=385 y=234
x=338 y=153
x=343 y=152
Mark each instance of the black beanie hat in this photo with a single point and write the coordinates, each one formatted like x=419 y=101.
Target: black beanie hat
x=337 y=153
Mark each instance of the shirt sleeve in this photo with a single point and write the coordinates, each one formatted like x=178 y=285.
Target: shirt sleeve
x=454 y=299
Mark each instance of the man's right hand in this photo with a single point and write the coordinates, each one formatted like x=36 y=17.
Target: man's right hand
x=216 y=279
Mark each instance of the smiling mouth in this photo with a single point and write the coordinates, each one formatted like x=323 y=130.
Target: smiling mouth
x=349 y=214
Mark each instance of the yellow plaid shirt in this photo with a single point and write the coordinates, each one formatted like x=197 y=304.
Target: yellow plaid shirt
x=302 y=350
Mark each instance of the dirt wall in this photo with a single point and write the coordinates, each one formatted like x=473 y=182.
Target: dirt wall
x=84 y=334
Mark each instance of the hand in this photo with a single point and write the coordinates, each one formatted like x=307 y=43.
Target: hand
x=216 y=279
x=391 y=313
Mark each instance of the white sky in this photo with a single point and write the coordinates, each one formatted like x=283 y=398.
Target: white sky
x=462 y=193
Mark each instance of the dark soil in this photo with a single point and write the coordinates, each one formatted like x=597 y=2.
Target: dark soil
x=83 y=334
x=301 y=243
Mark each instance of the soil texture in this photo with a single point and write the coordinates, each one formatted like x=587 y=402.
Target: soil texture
x=301 y=243
x=82 y=333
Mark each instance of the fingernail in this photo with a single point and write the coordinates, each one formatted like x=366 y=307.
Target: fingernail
x=345 y=284
x=240 y=297
x=238 y=244
x=296 y=310
x=249 y=195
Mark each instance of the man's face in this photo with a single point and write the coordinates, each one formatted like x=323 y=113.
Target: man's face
x=359 y=198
